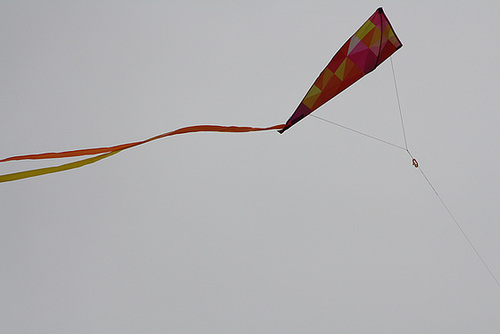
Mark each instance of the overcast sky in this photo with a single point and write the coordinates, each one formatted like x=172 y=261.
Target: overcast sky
x=318 y=230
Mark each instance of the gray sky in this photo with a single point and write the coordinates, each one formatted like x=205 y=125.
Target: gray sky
x=319 y=230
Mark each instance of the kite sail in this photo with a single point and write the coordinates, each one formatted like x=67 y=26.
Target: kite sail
x=373 y=43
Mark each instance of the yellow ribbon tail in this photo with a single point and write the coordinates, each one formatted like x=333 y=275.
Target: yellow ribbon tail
x=55 y=169
x=105 y=152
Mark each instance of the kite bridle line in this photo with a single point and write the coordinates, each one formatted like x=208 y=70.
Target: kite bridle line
x=417 y=166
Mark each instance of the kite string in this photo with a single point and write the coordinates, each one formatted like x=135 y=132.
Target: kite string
x=415 y=163
x=399 y=104
x=358 y=132
x=459 y=227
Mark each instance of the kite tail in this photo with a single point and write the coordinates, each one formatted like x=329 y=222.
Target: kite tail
x=104 y=152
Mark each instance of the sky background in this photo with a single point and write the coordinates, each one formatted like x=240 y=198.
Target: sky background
x=318 y=230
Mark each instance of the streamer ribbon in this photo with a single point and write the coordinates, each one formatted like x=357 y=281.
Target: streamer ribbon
x=104 y=152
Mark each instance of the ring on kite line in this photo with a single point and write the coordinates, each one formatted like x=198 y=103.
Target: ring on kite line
x=415 y=163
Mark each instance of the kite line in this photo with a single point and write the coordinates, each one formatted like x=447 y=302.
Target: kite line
x=399 y=103
x=471 y=244
x=416 y=165
x=358 y=132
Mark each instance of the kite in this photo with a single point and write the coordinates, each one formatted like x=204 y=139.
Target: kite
x=370 y=45
x=373 y=43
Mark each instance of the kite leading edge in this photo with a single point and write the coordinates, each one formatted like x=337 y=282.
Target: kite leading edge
x=373 y=43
